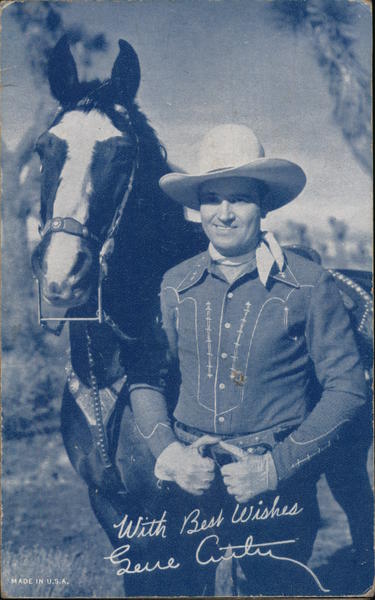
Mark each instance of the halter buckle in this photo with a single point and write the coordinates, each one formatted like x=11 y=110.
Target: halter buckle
x=57 y=224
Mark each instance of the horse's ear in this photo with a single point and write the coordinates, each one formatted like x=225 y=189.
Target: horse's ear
x=126 y=73
x=62 y=72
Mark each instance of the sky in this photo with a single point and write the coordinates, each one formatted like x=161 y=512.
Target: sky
x=208 y=62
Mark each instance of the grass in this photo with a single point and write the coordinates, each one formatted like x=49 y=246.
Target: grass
x=52 y=573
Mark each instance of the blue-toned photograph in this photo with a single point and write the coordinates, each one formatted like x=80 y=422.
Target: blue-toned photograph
x=187 y=309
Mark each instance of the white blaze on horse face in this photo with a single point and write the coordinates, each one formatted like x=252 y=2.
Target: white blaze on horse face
x=81 y=131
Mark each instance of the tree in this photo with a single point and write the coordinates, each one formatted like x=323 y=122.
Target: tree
x=330 y=26
x=28 y=354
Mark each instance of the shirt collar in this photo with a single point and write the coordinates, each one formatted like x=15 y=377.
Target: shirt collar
x=270 y=263
x=267 y=254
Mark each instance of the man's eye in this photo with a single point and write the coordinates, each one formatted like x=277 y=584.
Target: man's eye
x=241 y=199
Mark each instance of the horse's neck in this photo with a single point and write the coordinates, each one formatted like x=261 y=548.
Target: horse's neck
x=128 y=306
x=149 y=244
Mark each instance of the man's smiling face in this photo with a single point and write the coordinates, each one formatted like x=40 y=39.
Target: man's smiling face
x=231 y=212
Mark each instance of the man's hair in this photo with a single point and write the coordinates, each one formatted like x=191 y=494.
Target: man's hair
x=264 y=193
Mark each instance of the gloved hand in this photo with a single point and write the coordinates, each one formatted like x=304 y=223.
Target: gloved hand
x=250 y=475
x=185 y=465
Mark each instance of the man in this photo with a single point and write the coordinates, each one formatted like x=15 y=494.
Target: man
x=268 y=377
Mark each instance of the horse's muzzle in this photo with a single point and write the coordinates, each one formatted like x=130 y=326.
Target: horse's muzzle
x=72 y=289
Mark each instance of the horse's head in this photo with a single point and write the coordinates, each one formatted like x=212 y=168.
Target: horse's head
x=88 y=160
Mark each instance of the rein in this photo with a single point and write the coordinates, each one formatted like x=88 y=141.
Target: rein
x=71 y=226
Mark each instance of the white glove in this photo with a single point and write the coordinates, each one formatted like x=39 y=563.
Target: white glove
x=250 y=475
x=185 y=466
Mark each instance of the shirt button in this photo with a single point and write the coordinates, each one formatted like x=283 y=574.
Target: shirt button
x=230 y=295
x=222 y=386
x=221 y=419
x=227 y=325
x=224 y=355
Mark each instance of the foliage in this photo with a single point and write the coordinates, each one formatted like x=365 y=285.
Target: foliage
x=32 y=381
x=330 y=25
x=340 y=248
x=59 y=574
x=32 y=385
x=42 y=25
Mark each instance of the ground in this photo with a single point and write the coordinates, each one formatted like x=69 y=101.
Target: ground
x=54 y=545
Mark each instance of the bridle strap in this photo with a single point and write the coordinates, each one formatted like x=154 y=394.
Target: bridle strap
x=108 y=245
x=71 y=226
x=67 y=225
x=121 y=207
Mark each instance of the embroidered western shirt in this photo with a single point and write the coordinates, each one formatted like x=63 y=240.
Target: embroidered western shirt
x=248 y=354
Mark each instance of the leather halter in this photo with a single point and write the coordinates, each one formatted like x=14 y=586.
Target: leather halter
x=71 y=226
x=67 y=225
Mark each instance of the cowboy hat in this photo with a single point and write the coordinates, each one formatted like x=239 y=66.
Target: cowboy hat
x=235 y=151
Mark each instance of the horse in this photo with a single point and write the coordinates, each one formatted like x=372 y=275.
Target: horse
x=108 y=234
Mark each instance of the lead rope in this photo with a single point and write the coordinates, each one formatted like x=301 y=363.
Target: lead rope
x=99 y=433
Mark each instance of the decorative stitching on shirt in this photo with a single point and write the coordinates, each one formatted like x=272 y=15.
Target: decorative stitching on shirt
x=223 y=412
x=308 y=457
x=233 y=371
x=190 y=274
x=197 y=269
x=319 y=436
x=294 y=338
x=257 y=321
x=147 y=437
x=208 y=339
x=294 y=277
x=196 y=342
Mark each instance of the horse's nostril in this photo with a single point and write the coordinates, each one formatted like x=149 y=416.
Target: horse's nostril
x=58 y=291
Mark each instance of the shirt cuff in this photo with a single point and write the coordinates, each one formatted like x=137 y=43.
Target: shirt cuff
x=160 y=438
x=289 y=458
